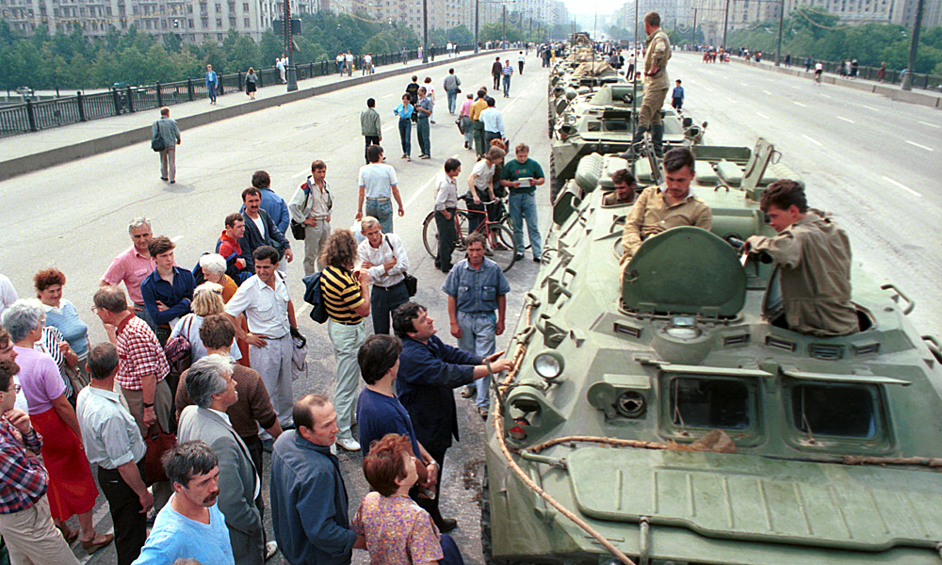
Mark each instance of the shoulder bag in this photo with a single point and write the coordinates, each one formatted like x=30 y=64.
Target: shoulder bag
x=297 y=229
x=157 y=143
x=412 y=283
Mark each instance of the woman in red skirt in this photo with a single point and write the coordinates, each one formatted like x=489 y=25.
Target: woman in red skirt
x=71 y=487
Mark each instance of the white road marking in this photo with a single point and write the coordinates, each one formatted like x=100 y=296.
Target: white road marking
x=799 y=104
x=824 y=96
x=744 y=84
x=387 y=96
x=919 y=146
x=730 y=99
x=869 y=107
x=936 y=126
x=708 y=89
x=767 y=92
x=846 y=120
x=761 y=115
x=903 y=186
x=812 y=140
x=177 y=238
x=301 y=174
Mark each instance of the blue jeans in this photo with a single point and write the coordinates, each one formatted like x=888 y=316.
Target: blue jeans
x=523 y=207
x=506 y=85
x=382 y=211
x=405 y=136
x=478 y=336
x=211 y=90
x=422 y=132
x=452 y=99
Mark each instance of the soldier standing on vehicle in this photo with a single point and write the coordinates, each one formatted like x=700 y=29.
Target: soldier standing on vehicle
x=656 y=83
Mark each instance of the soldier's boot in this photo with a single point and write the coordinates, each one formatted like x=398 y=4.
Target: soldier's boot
x=657 y=139
x=635 y=150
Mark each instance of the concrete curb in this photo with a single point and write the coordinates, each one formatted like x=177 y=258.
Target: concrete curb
x=889 y=91
x=60 y=155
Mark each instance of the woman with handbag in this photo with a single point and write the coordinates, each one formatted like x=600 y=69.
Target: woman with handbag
x=207 y=301
x=62 y=315
x=71 y=487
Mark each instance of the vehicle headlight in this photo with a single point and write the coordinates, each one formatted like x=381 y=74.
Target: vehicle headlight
x=549 y=365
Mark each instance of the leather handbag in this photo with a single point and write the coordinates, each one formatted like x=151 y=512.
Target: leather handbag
x=412 y=283
x=158 y=442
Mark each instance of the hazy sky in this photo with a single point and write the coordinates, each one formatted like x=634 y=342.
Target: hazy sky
x=589 y=6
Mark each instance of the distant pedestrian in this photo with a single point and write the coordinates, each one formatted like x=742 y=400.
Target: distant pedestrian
x=508 y=72
x=312 y=205
x=404 y=111
x=412 y=89
x=497 y=70
x=477 y=125
x=251 y=80
x=371 y=125
x=452 y=82
x=280 y=65
x=430 y=93
x=378 y=186
x=521 y=59
x=424 y=110
x=493 y=123
x=446 y=202
x=881 y=74
x=677 y=96
x=212 y=83
x=169 y=133
x=464 y=121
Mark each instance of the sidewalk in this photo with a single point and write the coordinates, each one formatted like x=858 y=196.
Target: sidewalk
x=891 y=91
x=29 y=152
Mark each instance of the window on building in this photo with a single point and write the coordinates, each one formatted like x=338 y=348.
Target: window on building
x=245 y=6
x=218 y=8
x=218 y=22
x=204 y=22
x=231 y=7
x=232 y=22
x=245 y=23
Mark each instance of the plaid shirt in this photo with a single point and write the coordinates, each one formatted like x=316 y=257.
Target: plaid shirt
x=139 y=354
x=24 y=478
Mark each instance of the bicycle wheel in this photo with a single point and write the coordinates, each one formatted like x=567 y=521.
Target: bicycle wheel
x=508 y=222
x=504 y=257
x=430 y=235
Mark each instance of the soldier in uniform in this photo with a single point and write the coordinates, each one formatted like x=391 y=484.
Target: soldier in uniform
x=813 y=259
x=656 y=83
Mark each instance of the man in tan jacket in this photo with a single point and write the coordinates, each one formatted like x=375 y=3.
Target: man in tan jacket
x=656 y=83
x=813 y=257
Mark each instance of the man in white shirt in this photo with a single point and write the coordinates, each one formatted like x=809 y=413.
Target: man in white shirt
x=311 y=206
x=446 y=203
x=377 y=185
x=493 y=123
x=267 y=306
x=113 y=442
x=385 y=258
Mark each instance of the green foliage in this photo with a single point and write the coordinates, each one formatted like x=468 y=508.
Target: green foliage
x=70 y=61
x=805 y=32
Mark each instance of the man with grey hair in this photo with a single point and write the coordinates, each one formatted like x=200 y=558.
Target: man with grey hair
x=113 y=443
x=190 y=526
x=132 y=266
x=385 y=257
x=210 y=386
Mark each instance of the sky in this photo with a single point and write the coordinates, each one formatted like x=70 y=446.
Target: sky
x=606 y=7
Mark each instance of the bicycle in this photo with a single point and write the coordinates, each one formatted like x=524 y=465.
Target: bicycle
x=500 y=237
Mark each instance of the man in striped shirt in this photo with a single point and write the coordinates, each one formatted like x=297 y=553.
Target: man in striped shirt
x=347 y=300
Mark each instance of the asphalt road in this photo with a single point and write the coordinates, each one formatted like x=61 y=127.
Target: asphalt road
x=74 y=217
x=872 y=162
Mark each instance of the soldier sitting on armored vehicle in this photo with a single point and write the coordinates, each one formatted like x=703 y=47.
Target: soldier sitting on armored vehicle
x=660 y=208
x=812 y=256
x=624 y=192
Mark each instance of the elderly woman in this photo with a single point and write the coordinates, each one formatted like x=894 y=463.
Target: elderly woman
x=207 y=301
x=214 y=267
x=71 y=487
x=397 y=530
x=61 y=315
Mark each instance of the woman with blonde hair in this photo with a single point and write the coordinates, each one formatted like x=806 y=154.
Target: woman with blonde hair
x=214 y=268
x=207 y=301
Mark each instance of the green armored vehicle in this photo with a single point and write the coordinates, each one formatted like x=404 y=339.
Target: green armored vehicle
x=662 y=420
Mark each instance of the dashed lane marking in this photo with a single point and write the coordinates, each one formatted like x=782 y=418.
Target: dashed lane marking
x=913 y=143
x=903 y=186
x=799 y=104
x=763 y=116
x=936 y=126
x=767 y=92
x=812 y=140
x=846 y=120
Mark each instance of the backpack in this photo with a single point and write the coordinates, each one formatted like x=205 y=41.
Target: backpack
x=314 y=296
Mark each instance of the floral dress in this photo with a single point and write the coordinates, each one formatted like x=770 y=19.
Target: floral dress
x=397 y=530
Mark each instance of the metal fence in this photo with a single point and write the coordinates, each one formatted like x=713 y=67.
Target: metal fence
x=45 y=114
x=924 y=81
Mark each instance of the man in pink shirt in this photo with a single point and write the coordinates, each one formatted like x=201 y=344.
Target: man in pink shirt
x=132 y=266
x=464 y=120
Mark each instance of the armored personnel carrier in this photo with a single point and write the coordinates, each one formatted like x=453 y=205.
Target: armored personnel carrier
x=659 y=418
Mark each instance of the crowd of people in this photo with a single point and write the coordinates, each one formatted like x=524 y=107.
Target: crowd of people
x=211 y=411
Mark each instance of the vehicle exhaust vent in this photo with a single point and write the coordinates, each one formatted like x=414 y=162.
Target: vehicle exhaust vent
x=779 y=343
x=826 y=351
x=866 y=349
x=739 y=339
x=631 y=331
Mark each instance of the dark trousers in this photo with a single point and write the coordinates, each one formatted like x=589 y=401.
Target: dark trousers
x=447 y=234
x=477 y=129
x=520 y=64
x=422 y=132
x=255 y=452
x=130 y=525
x=497 y=82
x=430 y=505
x=384 y=301
x=370 y=140
x=490 y=136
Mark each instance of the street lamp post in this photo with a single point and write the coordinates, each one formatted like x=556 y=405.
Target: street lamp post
x=425 y=31
x=291 y=74
x=913 y=47
x=781 y=17
x=477 y=9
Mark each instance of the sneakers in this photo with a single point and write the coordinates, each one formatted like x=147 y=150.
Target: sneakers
x=425 y=156
x=271 y=548
x=468 y=392
x=482 y=411
x=348 y=444
x=518 y=257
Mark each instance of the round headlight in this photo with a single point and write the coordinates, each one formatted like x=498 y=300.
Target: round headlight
x=683 y=333
x=548 y=365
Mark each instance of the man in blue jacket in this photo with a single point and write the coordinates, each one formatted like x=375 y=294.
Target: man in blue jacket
x=260 y=229
x=308 y=495
x=168 y=290
x=429 y=371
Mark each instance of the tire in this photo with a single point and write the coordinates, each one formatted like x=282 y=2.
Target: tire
x=430 y=235
x=503 y=257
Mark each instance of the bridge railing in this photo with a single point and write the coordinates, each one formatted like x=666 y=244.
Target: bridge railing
x=35 y=115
